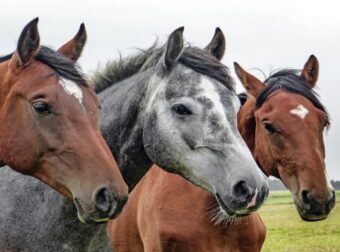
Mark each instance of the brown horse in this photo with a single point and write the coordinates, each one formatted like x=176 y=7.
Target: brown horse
x=49 y=127
x=283 y=122
x=160 y=216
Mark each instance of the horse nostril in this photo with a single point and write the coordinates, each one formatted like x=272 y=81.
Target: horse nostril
x=304 y=197
x=102 y=199
x=242 y=191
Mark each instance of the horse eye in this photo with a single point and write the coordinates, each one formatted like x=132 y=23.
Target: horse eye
x=243 y=98
x=269 y=128
x=42 y=108
x=180 y=109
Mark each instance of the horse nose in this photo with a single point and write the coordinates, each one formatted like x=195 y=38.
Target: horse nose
x=317 y=207
x=242 y=192
x=103 y=199
x=107 y=204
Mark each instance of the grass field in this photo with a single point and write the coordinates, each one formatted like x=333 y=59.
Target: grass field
x=287 y=232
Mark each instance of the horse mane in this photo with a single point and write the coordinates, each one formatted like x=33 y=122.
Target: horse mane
x=192 y=57
x=122 y=68
x=64 y=66
x=291 y=81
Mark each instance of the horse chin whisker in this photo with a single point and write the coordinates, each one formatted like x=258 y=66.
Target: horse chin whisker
x=237 y=220
x=217 y=217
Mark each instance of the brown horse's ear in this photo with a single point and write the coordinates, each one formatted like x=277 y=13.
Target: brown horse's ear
x=253 y=85
x=310 y=71
x=28 y=43
x=174 y=48
x=73 y=48
x=217 y=45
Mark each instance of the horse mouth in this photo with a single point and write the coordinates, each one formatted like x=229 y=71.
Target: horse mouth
x=312 y=218
x=306 y=215
x=84 y=217
x=228 y=211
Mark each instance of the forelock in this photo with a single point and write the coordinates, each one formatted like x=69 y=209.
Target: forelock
x=291 y=81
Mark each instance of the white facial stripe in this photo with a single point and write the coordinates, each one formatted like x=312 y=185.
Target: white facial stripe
x=72 y=89
x=300 y=111
x=211 y=93
x=154 y=91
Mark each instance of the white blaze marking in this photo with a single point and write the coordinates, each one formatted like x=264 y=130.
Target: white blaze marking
x=211 y=93
x=300 y=111
x=72 y=89
x=156 y=87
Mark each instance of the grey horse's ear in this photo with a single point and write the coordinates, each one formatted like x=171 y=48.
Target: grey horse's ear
x=73 y=48
x=217 y=45
x=310 y=71
x=29 y=42
x=174 y=48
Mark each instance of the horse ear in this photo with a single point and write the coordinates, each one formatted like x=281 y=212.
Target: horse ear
x=28 y=43
x=310 y=71
x=174 y=48
x=217 y=45
x=253 y=85
x=73 y=48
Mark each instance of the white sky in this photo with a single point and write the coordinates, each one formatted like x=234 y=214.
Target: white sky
x=265 y=34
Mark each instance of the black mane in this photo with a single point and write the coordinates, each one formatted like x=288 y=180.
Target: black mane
x=197 y=59
x=64 y=67
x=291 y=81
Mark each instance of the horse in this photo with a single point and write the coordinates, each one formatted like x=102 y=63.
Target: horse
x=132 y=91
x=175 y=106
x=160 y=215
x=49 y=127
x=283 y=123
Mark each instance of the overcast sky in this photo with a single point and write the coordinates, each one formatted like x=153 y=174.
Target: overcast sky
x=260 y=34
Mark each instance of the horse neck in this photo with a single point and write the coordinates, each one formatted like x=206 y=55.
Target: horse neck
x=121 y=126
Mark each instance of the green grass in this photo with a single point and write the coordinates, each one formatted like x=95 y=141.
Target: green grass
x=287 y=232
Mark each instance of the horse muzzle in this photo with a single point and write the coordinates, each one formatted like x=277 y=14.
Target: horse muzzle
x=312 y=209
x=243 y=201
x=105 y=206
